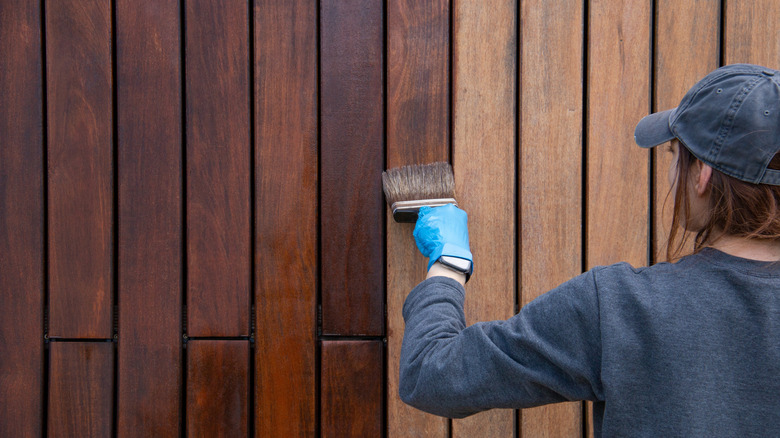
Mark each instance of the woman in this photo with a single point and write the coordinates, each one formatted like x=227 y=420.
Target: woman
x=690 y=348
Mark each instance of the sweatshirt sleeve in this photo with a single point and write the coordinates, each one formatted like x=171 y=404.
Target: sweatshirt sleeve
x=549 y=352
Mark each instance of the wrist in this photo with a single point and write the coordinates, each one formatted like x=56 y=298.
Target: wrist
x=439 y=270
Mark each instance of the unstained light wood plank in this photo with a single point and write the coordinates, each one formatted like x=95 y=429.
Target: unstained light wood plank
x=752 y=32
x=150 y=217
x=21 y=219
x=417 y=132
x=80 y=155
x=618 y=97
x=286 y=218
x=352 y=159
x=484 y=117
x=81 y=389
x=217 y=388
x=352 y=389
x=218 y=168
x=687 y=45
x=550 y=197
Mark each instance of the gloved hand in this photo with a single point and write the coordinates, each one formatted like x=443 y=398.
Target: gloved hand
x=442 y=231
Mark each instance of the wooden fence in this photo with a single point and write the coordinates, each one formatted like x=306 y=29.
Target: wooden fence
x=193 y=238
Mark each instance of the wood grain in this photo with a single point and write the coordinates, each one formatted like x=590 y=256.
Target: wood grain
x=418 y=65
x=21 y=219
x=351 y=389
x=418 y=100
x=80 y=155
x=483 y=155
x=150 y=217
x=218 y=169
x=550 y=198
x=286 y=218
x=687 y=45
x=352 y=160
x=81 y=387
x=751 y=33
x=217 y=388
x=618 y=97
x=76 y=174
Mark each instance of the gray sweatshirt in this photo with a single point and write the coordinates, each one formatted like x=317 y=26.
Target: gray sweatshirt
x=676 y=349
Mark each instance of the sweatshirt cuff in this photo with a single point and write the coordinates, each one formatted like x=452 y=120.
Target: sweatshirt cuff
x=443 y=287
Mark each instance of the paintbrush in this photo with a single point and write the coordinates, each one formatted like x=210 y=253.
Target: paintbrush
x=408 y=188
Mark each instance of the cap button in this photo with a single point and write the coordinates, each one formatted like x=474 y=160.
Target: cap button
x=768 y=73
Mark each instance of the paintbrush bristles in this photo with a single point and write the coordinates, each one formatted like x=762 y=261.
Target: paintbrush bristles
x=424 y=181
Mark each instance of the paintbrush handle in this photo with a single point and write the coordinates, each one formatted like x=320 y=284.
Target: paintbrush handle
x=406 y=211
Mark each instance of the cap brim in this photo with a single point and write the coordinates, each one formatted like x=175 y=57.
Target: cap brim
x=654 y=129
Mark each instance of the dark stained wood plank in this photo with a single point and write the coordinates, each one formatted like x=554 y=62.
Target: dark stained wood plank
x=352 y=160
x=550 y=198
x=687 y=45
x=352 y=389
x=618 y=97
x=751 y=29
x=21 y=219
x=79 y=88
x=286 y=218
x=484 y=158
x=81 y=386
x=417 y=132
x=418 y=99
x=150 y=217
x=218 y=169
x=217 y=388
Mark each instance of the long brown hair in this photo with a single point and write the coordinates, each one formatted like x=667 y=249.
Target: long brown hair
x=736 y=208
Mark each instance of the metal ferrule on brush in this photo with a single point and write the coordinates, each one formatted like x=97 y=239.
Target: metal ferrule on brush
x=406 y=211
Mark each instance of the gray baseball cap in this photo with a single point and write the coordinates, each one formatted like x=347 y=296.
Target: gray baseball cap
x=729 y=120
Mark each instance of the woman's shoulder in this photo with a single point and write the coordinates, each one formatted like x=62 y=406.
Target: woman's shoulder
x=705 y=274
x=625 y=276
x=706 y=258
x=707 y=261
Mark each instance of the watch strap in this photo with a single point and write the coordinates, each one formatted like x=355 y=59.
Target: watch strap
x=457 y=264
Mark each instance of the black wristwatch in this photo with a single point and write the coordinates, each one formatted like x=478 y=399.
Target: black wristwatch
x=457 y=264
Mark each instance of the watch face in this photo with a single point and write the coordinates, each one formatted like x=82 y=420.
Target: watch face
x=456 y=263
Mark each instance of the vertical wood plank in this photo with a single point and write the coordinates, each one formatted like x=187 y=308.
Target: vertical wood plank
x=352 y=390
x=618 y=97
x=352 y=160
x=418 y=65
x=484 y=105
x=752 y=33
x=618 y=84
x=218 y=168
x=687 y=44
x=81 y=376
x=286 y=217
x=21 y=219
x=417 y=133
x=150 y=217
x=217 y=388
x=551 y=134
x=79 y=88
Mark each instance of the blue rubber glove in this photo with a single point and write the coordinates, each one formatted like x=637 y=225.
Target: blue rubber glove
x=442 y=231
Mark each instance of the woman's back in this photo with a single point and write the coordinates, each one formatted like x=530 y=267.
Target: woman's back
x=691 y=348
